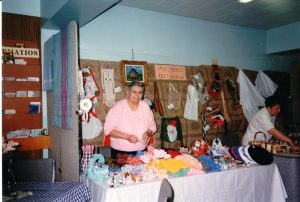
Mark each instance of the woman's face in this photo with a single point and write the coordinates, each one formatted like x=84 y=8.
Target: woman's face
x=135 y=94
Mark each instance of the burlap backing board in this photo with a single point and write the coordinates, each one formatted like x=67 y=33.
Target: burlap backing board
x=192 y=130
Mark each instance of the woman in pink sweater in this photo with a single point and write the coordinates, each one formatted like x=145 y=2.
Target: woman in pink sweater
x=130 y=122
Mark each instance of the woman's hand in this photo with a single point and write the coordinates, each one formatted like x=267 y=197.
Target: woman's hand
x=145 y=138
x=132 y=138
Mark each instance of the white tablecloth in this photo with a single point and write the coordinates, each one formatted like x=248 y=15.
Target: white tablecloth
x=248 y=184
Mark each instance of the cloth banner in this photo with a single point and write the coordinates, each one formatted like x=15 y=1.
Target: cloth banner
x=170 y=130
x=265 y=85
x=60 y=62
x=250 y=98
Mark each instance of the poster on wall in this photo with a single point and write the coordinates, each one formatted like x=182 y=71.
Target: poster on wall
x=170 y=72
x=133 y=70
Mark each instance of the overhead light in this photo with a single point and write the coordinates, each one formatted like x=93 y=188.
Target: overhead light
x=245 y=1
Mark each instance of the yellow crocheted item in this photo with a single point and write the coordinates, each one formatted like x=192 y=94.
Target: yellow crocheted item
x=170 y=164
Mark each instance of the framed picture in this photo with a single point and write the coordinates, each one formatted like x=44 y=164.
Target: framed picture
x=133 y=70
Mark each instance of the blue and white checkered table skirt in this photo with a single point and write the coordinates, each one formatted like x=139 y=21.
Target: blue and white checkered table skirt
x=55 y=192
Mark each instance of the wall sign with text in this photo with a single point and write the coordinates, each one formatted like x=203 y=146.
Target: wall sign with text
x=170 y=72
x=22 y=52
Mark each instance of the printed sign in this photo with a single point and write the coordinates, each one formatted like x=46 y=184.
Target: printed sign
x=169 y=72
x=23 y=52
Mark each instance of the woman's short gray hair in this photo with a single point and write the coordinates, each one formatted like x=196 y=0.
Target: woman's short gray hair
x=136 y=83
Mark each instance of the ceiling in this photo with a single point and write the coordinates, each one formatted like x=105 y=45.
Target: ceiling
x=260 y=14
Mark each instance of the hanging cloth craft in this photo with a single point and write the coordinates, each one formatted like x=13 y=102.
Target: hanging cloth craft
x=108 y=84
x=80 y=85
x=202 y=92
x=90 y=86
x=91 y=128
x=265 y=85
x=191 y=105
x=215 y=88
x=174 y=97
x=170 y=130
x=158 y=105
x=232 y=89
x=250 y=98
x=85 y=108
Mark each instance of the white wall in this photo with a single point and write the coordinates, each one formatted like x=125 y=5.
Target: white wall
x=163 y=38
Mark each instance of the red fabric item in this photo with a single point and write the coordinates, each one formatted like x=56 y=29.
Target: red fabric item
x=215 y=88
x=106 y=141
x=173 y=153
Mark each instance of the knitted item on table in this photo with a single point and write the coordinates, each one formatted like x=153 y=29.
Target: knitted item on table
x=173 y=153
x=190 y=161
x=182 y=172
x=96 y=170
x=148 y=173
x=134 y=160
x=208 y=164
x=113 y=167
x=132 y=168
x=172 y=165
x=87 y=153
x=122 y=158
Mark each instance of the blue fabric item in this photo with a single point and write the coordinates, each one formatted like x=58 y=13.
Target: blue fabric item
x=182 y=172
x=57 y=191
x=60 y=63
x=96 y=169
x=236 y=149
x=57 y=76
x=139 y=153
x=208 y=164
x=48 y=65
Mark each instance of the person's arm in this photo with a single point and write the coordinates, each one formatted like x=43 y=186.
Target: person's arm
x=117 y=134
x=279 y=135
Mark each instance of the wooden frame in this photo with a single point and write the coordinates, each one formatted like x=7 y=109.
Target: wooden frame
x=133 y=70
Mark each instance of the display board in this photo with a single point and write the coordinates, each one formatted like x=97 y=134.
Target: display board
x=192 y=130
x=22 y=86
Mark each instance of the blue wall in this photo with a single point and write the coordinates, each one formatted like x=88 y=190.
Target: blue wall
x=162 y=38
x=24 y=7
x=283 y=38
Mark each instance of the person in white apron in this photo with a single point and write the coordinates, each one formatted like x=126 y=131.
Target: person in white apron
x=263 y=122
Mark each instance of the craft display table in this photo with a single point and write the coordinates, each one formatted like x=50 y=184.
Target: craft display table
x=289 y=167
x=247 y=184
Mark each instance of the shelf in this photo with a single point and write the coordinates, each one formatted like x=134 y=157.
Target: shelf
x=21 y=105
x=20 y=121
x=13 y=86
x=34 y=143
x=21 y=71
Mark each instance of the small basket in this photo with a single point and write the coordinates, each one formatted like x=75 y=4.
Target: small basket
x=255 y=142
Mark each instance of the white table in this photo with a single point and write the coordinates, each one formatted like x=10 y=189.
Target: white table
x=248 y=184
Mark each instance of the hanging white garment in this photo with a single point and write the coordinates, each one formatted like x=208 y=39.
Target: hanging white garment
x=108 y=85
x=80 y=85
x=250 y=98
x=91 y=128
x=265 y=85
x=174 y=97
x=202 y=92
x=191 y=105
